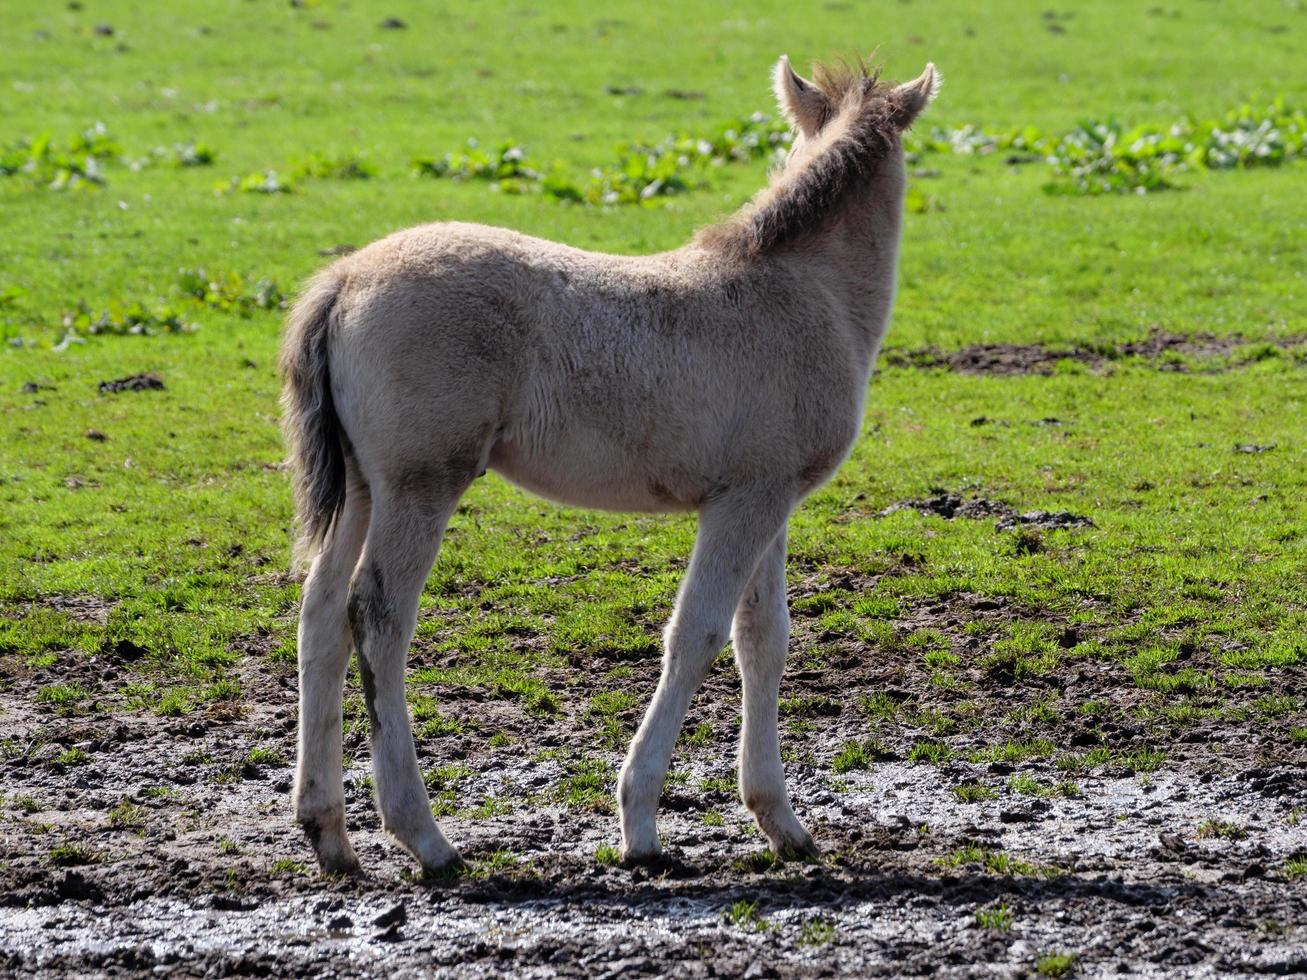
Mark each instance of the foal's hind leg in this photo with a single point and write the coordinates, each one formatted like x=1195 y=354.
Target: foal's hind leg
x=761 y=638
x=733 y=532
x=324 y=644
x=404 y=537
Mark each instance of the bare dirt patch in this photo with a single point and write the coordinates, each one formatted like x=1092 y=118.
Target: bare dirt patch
x=949 y=505
x=1166 y=351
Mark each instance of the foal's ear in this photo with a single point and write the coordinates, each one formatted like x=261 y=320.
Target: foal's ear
x=801 y=102
x=910 y=98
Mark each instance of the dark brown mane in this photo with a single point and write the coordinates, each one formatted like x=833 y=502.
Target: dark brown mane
x=803 y=200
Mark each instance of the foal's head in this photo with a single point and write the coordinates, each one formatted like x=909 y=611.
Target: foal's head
x=843 y=99
x=847 y=155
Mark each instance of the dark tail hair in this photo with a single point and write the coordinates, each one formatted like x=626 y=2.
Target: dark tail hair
x=309 y=421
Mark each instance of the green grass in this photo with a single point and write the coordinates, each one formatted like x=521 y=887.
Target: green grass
x=995 y=862
x=177 y=520
x=934 y=753
x=996 y=918
x=858 y=755
x=1055 y=964
x=72 y=855
x=817 y=932
x=972 y=792
x=744 y=914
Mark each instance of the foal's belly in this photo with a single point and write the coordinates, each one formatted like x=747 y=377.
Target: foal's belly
x=596 y=476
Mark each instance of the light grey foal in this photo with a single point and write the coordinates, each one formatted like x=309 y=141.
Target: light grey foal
x=725 y=377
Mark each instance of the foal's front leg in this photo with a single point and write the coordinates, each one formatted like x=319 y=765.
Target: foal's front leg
x=734 y=530
x=761 y=634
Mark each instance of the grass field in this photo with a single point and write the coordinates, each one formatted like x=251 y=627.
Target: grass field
x=1069 y=566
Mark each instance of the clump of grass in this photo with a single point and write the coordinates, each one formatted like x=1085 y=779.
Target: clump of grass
x=755 y=863
x=702 y=732
x=174 y=704
x=257 y=182
x=858 y=755
x=608 y=703
x=712 y=818
x=228 y=846
x=318 y=166
x=1294 y=868
x=1220 y=829
x=28 y=804
x=816 y=932
x=1039 y=748
x=499 y=740
x=64 y=698
x=491 y=806
x=126 y=815
x=934 y=753
x=718 y=784
x=1055 y=964
x=225 y=689
x=996 y=918
x=608 y=855
x=972 y=792
x=587 y=785
x=497 y=862
x=262 y=756
x=808 y=706
x=995 y=862
x=1142 y=760
x=288 y=866
x=880 y=707
x=745 y=915
x=71 y=855
x=72 y=757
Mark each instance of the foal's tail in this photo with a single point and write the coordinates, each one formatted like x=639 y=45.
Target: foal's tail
x=309 y=421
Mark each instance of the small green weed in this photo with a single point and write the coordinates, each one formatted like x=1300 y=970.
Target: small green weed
x=934 y=753
x=126 y=815
x=816 y=932
x=1055 y=964
x=972 y=792
x=745 y=915
x=71 y=855
x=996 y=918
x=858 y=755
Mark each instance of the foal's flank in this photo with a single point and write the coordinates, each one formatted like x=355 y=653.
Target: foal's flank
x=725 y=377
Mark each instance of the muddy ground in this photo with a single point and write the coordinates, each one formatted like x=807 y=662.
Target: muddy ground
x=1166 y=351
x=1174 y=871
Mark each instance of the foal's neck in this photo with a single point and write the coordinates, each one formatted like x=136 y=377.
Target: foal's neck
x=862 y=262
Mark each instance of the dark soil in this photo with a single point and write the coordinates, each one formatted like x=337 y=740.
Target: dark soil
x=1166 y=351
x=135 y=382
x=1174 y=870
x=949 y=505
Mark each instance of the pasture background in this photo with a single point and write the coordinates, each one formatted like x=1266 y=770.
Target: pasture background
x=142 y=584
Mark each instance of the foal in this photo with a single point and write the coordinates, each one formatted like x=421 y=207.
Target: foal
x=726 y=377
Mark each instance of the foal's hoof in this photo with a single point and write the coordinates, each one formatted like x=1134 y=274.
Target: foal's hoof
x=797 y=849
x=449 y=870
x=346 y=867
x=333 y=850
x=642 y=857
